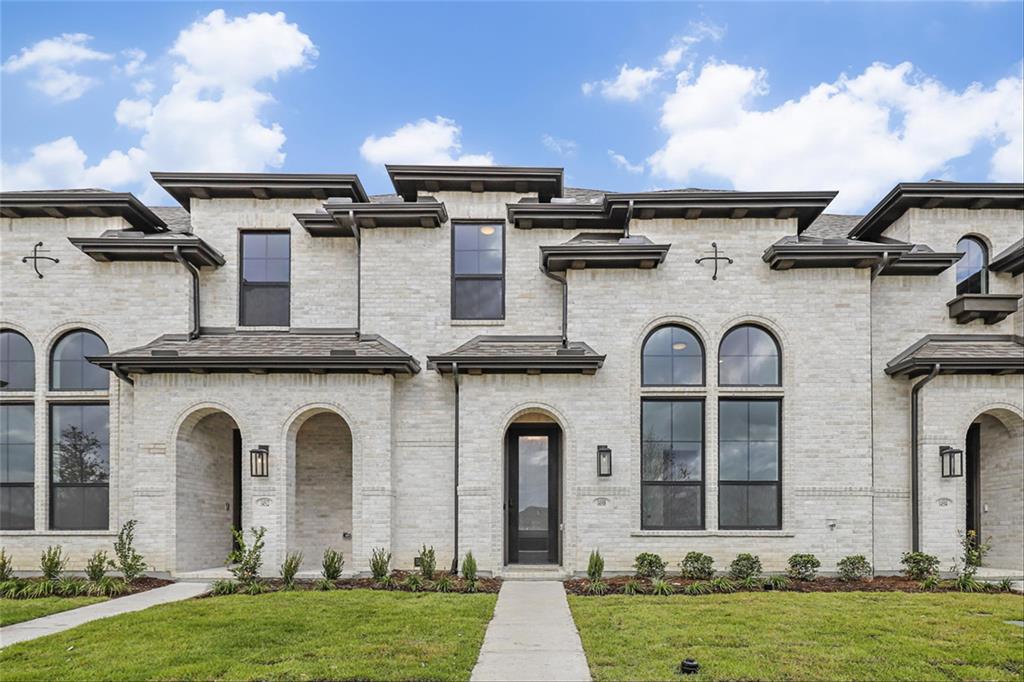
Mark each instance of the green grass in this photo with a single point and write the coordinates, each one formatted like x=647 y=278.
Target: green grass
x=816 y=636
x=18 y=610
x=351 y=634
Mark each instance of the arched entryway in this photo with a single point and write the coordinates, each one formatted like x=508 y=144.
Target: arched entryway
x=533 y=491
x=208 y=489
x=321 y=444
x=994 y=479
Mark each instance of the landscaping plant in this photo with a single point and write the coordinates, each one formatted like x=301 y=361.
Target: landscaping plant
x=469 y=572
x=919 y=566
x=289 y=568
x=223 y=587
x=776 y=582
x=649 y=565
x=129 y=562
x=96 y=567
x=698 y=587
x=697 y=566
x=6 y=566
x=633 y=586
x=974 y=551
x=380 y=562
x=71 y=587
x=803 y=567
x=723 y=585
x=428 y=562
x=595 y=566
x=413 y=582
x=332 y=564
x=745 y=566
x=52 y=563
x=444 y=583
x=854 y=567
x=246 y=559
x=661 y=587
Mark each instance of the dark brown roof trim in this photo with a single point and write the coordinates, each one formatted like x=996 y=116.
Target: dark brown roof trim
x=578 y=358
x=804 y=206
x=613 y=255
x=128 y=248
x=185 y=186
x=74 y=204
x=323 y=225
x=906 y=195
x=892 y=258
x=990 y=308
x=910 y=363
x=568 y=216
x=371 y=215
x=410 y=180
x=921 y=263
x=1010 y=260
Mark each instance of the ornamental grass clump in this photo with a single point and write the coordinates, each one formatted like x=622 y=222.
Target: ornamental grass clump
x=129 y=562
x=920 y=566
x=444 y=583
x=649 y=565
x=380 y=563
x=697 y=566
x=744 y=567
x=661 y=587
x=332 y=564
x=633 y=586
x=595 y=574
x=853 y=567
x=803 y=567
x=289 y=568
x=413 y=582
x=246 y=560
x=223 y=587
x=723 y=585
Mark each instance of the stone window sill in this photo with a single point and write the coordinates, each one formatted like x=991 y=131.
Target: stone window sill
x=52 y=533
x=713 y=534
x=478 y=323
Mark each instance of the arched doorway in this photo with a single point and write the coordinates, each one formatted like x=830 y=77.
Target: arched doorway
x=994 y=479
x=533 y=491
x=208 y=490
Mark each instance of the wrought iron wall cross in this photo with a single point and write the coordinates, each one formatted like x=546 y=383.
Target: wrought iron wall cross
x=714 y=258
x=35 y=258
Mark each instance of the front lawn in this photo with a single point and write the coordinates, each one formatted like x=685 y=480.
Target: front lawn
x=344 y=634
x=17 y=610
x=815 y=636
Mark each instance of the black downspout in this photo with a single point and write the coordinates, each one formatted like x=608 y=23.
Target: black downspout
x=121 y=374
x=629 y=217
x=359 y=273
x=915 y=491
x=194 y=272
x=565 y=303
x=455 y=552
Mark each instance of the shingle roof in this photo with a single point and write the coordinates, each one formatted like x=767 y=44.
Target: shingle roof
x=176 y=217
x=527 y=354
x=832 y=226
x=961 y=354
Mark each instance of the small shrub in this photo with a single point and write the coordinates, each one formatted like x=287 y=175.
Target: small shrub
x=595 y=566
x=223 y=587
x=413 y=582
x=697 y=566
x=380 y=563
x=324 y=585
x=428 y=562
x=71 y=587
x=6 y=566
x=855 y=567
x=290 y=567
x=245 y=560
x=333 y=563
x=129 y=562
x=52 y=563
x=649 y=565
x=745 y=566
x=930 y=583
x=776 y=582
x=965 y=582
x=803 y=567
x=469 y=568
x=633 y=586
x=597 y=586
x=723 y=585
x=751 y=583
x=96 y=567
x=699 y=587
x=974 y=552
x=444 y=583
x=919 y=566
x=661 y=587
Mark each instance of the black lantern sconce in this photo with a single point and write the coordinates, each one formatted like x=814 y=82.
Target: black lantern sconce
x=952 y=461
x=604 y=460
x=259 y=462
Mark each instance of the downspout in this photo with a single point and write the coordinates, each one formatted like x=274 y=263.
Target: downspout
x=629 y=217
x=121 y=374
x=455 y=552
x=359 y=272
x=565 y=302
x=194 y=272
x=915 y=488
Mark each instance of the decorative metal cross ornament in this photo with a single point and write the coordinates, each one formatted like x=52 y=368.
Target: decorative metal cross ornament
x=35 y=258
x=714 y=258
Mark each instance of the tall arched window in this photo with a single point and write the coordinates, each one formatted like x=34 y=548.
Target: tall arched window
x=69 y=369
x=17 y=362
x=672 y=356
x=748 y=356
x=972 y=268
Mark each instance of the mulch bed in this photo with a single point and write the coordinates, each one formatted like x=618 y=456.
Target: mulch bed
x=483 y=585
x=578 y=586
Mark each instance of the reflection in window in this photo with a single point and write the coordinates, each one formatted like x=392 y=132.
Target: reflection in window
x=748 y=462
x=80 y=461
x=17 y=362
x=748 y=356
x=972 y=268
x=17 y=467
x=672 y=487
x=672 y=356
x=70 y=371
x=265 y=297
x=478 y=271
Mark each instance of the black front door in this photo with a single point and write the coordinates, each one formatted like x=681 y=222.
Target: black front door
x=236 y=484
x=972 y=476
x=532 y=482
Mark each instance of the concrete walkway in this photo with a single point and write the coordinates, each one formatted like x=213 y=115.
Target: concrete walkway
x=532 y=636
x=58 y=622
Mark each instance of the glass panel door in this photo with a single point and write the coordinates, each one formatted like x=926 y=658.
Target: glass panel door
x=533 y=502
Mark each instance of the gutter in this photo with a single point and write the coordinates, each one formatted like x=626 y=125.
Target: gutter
x=359 y=272
x=915 y=488
x=565 y=302
x=629 y=216
x=121 y=374
x=194 y=272
x=455 y=552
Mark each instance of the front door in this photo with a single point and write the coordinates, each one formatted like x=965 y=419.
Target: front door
x=972 y=476
x=236 y=485
x=533 y=504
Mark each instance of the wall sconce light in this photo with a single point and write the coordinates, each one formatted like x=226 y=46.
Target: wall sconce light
x=604 y=460
x=952 y=461
x=259 y=461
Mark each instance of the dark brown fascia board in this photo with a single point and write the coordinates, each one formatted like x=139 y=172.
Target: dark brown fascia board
x=565 y=216
x=370 y=215
x=409 y=180
x=323 y=225
x=519 y=364
x=193 y=249
x=991 y=308
x=81 y=205
x=921 y=264
x=786 y=256
x=906 y=365
x=340 y=364
x=184 y=186
x=804 y=206
x=1010 y=260
x=577 y=257
x=906 y=195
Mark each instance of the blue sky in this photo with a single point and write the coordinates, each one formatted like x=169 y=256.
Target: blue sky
x=634 y=96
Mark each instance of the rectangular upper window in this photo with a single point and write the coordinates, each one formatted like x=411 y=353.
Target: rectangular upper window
x=749 y=464
x=672 y=467
x=17 y=466
x=265 y=285
x=79 y=466
x=478 y=271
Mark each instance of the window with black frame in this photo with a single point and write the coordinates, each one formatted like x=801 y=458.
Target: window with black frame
x=972 y=268
x=672 y=356
x=672 y=467
x=265 y=285
x=17 y=362
x=69 y=368
x=478 y=271
x=79 y=466
x=749 y=464
x=17 y=466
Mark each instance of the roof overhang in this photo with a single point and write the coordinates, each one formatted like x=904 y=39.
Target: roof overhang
x=323 y=225
x=567 y=216
x=370 y=215
x=916 y=263
x=186 y=186
x=81 y=205
x=805 y=207
x=410 y=180
x=847 y=255
x=1010 y=260
x=124 y=247
x=567 y=363
x=258 y=364
x=960 y=354
x=616 y=255
x=907 y=195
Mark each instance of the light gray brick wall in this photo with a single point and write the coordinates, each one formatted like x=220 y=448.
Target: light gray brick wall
x=1002 y=480
x=323 y=488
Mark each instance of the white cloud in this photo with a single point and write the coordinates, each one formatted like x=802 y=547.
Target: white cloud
x=210 y=119
x=51 y=61
x=423 y=141
x=624 y=163
x=143 y=86
x=136 y=61
x=859 y=135
x=559 y=146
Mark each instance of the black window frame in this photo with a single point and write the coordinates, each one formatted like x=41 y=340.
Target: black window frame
x=31 y=484
x=50 y=486
x=52 y=364
x=778 y=356
x=748 y=483
x=32 y=353
x=702 y=484
x=500 y=223
x=243 y=285
x=703 y=357
x=983 y=271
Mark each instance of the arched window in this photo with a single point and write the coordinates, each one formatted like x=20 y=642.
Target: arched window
x=748 y=356
x=69 y=369
x=972 y=269
x=17 y=362
x=672 y=356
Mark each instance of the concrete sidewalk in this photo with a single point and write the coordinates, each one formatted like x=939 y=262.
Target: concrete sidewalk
x=58 y=622
x=532 y=636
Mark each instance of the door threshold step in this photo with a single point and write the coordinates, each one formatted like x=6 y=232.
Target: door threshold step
x=535 y=573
